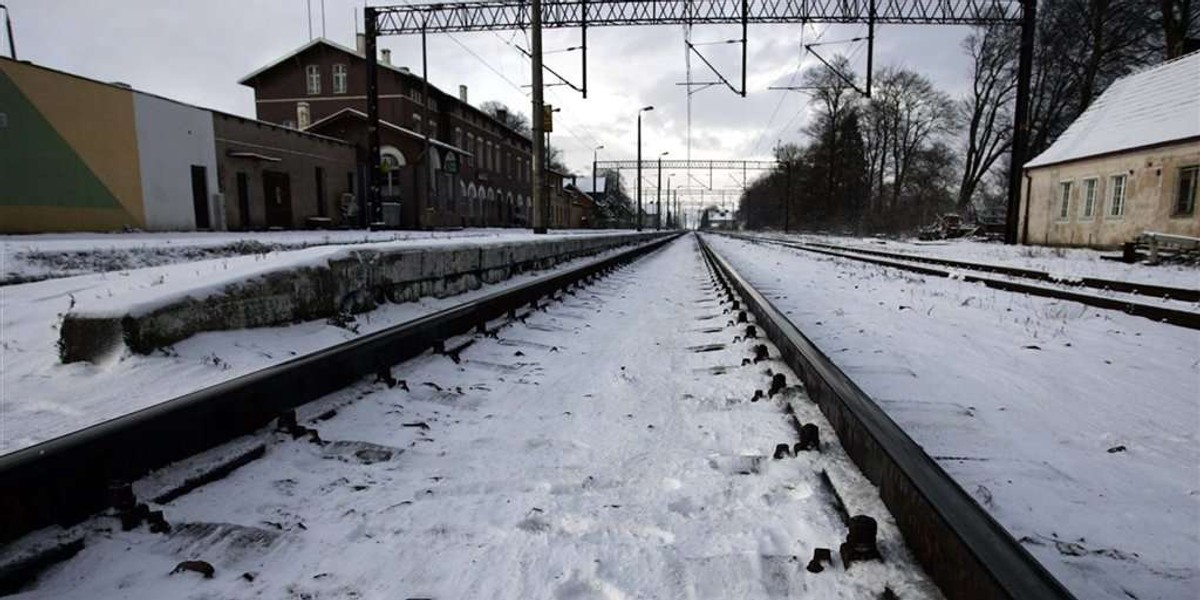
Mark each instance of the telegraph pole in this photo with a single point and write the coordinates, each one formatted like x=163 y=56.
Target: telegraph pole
x=539 y=149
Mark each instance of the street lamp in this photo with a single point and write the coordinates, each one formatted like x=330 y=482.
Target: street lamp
x=658 y=194
x=639 y=165
x=595 y=190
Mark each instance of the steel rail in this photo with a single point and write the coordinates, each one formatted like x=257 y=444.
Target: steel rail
x=1114 y=285
x=1173 y=316
x=64 y=480
x=963 y=549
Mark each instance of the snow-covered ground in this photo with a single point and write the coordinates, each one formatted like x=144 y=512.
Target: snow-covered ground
x=598 y=450
x=34 y=257
x=41 y=398
x=1078 y=428
x=1064 y=263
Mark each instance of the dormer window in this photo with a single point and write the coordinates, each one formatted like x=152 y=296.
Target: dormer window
x=313 y=78
x=339 y=79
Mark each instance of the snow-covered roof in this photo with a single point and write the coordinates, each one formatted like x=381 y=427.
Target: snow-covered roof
x=1155 y=106
x=314 y=42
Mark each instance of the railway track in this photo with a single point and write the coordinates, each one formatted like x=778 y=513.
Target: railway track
x=970 y=272
x=316 y=456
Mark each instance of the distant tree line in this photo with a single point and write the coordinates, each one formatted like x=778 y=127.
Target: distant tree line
x=893 y=162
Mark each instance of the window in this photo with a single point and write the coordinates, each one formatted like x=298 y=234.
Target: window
x=458 y=137
x=1089 y=197
x=313 y=77
x=1185 y=191
x=1064 y=195
x=487 y=157
x=1116 y=197
x=471 y=146
x=416 y=123
x=339 y=79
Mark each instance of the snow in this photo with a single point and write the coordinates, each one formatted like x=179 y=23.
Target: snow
x=40 y=398
x=1154 y=106
x=26 y=258
x=1066 y=264
x=589 y=452
x=1076 y=427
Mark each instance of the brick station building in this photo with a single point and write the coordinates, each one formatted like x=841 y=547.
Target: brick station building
x=478 y=168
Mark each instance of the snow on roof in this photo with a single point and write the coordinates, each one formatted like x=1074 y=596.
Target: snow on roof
x=1158 y=105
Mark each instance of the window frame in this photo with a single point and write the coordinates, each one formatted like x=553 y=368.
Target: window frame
x=1064 y=200
x=1112 y=195
x=341 y=75
x=312 y=74
x=1087 y=211
x=1195 y=189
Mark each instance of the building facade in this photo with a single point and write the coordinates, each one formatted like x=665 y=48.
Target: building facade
x=273 y=177
x=83 y=155
x=1128 y=165
x=445 y=163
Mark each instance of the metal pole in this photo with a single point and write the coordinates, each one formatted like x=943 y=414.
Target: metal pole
x=745 y=25
x=584 y=44
x=639 y=172
x=870 y=46
x=658 y=196
x=373 y=213
x=539 y=150
x=1020 y=144
x=787 y=198
x=426 y=125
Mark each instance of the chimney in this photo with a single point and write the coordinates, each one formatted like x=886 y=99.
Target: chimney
x=502 y=115
x=387 y=57
x=361 y=43
x=462 y=93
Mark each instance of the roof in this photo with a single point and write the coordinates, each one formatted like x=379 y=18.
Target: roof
x=320 y=41
x=1155 y=106
x=358 y=114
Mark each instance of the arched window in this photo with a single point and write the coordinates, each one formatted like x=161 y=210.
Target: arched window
x=391 y=160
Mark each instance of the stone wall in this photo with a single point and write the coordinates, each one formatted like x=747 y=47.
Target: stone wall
x=356 y=281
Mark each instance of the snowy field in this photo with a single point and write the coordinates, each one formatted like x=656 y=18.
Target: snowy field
x=1078 y=428
x=1065 y=263
x=26 y=258
x=590 y=452
x=41 y=398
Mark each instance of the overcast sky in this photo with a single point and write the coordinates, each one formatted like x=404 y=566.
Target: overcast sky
x=196 y=50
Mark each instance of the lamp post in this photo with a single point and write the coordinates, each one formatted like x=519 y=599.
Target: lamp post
x=639 y=165
x=667 y=223
x=658 y=194
x=595 y=190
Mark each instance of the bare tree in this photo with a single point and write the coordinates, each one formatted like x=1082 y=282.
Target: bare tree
x=912 y=115
x=986 y=111
x=516 y=121
x=1180 y=20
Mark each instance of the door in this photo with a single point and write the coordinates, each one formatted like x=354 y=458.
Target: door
x=200 y=196
x=277 y=196
x=243 y=193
